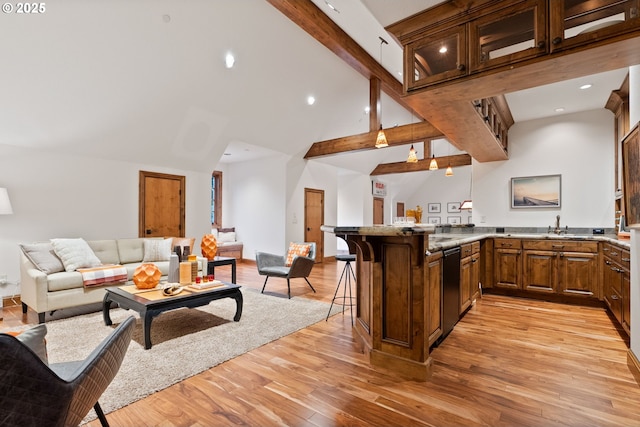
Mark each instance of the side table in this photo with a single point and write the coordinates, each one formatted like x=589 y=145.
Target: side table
x=222 y=260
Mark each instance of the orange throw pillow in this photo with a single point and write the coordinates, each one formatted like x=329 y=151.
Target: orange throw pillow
x=296 y=249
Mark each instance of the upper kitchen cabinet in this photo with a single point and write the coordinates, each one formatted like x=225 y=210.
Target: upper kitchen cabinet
x=578 y=22
x=440 y=56
x=486 y=40
x=511 y=34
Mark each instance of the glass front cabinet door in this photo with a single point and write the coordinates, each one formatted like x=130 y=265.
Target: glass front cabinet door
x=435 y=57
x=577 y=22
x=508 y=35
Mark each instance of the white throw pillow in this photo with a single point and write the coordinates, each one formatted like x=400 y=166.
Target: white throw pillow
x=224 y=237
x=157 y=250
x=75 y=253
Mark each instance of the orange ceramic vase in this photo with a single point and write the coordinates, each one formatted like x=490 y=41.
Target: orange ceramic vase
x=209 y=246
x=146 y=276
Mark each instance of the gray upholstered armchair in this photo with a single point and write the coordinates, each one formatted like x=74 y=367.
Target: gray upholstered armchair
x=272 y=265
x=61 y=394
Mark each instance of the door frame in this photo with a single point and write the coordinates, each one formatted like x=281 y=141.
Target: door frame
x=319 y=245
x=141 y=198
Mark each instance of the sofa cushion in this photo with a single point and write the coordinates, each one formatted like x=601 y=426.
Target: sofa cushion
x=130 y=250
x=64 y=280
x=105 y=250
x=75 y=253
x=227 y=236
x=43 y=257
x=157 y=250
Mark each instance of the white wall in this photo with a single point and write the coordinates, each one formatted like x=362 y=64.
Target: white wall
x=354 y=204
x=576 y=146
x=255 y=204
x=56 y=195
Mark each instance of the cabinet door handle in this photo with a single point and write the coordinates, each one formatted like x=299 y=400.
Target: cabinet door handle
x=557 y=246
x=614 y=297
x=614 y=253
x=461 y=67
x=507 y=244
x=607 y=262
x=626 y=259
x=541 y=44
x=556 y=41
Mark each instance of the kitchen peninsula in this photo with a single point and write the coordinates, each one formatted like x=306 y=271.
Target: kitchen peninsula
x=401 y=293
x=393 y=303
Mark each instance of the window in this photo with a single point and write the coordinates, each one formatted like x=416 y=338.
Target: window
x=216 y=199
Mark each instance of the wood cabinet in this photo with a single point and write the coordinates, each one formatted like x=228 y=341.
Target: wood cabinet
x=508 y=35
x=469 y=274
x=566 y=267
x=433 y=271
x=455 y=39
x=631 y=175
x=578 y=22
x=507 y=263
x=616 y=283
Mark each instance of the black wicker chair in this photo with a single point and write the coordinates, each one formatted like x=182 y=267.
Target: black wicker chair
x=61 y=394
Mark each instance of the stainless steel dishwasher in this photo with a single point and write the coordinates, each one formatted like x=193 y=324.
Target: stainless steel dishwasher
x=450 y=291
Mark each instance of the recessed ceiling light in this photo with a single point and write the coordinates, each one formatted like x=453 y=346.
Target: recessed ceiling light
x=330 y=6
x=229 y=60
x=311 y=100
x=443 y=49
x=585 y=86
x=226 y=154
x=559 y=110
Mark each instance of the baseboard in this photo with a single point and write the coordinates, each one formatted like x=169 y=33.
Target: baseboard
x=634 y=365
x=329 y=259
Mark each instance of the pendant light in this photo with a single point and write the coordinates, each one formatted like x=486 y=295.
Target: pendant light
x=433 y=165
x=449 y=171
x=412 y=155
x=381 y=140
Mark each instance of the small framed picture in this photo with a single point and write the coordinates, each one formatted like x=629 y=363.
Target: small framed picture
x=453 y=207
x=454 y=220
x=434 y=220
x=433 y=208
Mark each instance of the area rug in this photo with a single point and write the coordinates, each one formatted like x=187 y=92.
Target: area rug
x=185 y=341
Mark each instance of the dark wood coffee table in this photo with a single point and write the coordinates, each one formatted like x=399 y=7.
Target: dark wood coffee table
x=222 y=260
x=150 y=307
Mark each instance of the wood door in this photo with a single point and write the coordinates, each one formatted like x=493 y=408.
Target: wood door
x=400 y=209
x=161 y=205
x=507 y=268
x=466 y=278
x=378 y=210
x=313 y=219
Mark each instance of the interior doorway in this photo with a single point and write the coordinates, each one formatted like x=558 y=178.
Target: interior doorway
x=313 y=219
x=400 y=209
x=161 y=205
x=378 y=210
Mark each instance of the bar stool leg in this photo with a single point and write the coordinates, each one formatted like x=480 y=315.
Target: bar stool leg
x=347 y=274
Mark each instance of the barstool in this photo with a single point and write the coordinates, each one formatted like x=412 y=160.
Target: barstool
x=347 y=274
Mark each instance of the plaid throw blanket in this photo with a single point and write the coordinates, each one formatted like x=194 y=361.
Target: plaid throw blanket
x=103 y=275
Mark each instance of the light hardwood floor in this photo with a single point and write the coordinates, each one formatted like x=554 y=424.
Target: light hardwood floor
x=508 y=362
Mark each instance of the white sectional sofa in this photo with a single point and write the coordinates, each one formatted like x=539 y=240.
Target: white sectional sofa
x=46 y=284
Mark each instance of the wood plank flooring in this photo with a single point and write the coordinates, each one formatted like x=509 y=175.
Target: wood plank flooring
x=508 y=362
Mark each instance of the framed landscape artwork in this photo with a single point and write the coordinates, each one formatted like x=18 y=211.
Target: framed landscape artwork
x=433 y=208
x=535 y=192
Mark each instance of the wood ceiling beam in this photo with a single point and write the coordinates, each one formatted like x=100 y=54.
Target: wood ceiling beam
x=315 y=22
x=422 y=165
x=398 y=135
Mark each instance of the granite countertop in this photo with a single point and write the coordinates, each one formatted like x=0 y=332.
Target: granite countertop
x=441 y=241
x=380 y=230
